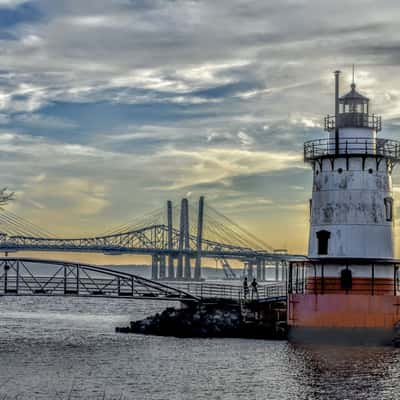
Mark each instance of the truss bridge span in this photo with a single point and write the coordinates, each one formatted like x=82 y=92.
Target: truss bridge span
x=30 y=277
x=147 y=240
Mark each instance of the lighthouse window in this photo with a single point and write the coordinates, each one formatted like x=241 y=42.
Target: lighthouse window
x=389 y=208
x=323 y=238
x=340 y=170
x=370 y=170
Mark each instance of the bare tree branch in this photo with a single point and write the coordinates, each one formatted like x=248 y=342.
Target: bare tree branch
x=5 y=196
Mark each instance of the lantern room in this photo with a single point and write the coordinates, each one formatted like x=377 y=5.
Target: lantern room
x=353 y=102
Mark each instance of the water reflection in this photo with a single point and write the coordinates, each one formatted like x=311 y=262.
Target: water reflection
x=342 y=372
x=50 y=346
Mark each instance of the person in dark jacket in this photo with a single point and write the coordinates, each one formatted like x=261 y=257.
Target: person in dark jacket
x=254 y=289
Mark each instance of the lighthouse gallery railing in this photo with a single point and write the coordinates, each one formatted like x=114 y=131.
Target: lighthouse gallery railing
x=388 y=148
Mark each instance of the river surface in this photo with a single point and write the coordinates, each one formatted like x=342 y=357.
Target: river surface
x=66 y=348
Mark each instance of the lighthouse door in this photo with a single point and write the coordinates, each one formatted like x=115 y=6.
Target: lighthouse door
x=346 y=279
x=323 y=238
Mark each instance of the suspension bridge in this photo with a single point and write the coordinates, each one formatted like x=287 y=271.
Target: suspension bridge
x=175 y=238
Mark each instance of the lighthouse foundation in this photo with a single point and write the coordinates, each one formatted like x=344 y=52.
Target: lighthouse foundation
x=343 y=302
x=341 y=318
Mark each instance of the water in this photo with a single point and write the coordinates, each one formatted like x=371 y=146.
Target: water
x=66 y=348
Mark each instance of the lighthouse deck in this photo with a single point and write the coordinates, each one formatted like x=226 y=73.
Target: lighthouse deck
x=370 y=147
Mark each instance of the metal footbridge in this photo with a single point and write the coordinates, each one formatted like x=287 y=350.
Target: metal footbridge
x=43 y=277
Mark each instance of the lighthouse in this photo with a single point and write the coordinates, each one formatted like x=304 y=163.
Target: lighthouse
x=347 y=288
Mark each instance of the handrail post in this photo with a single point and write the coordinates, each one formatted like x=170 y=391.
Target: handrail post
x=77 y=278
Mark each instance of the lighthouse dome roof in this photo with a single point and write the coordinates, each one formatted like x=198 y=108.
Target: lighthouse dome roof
x=354 y=96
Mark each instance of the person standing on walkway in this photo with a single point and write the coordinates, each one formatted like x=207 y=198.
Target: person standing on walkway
x=254 y=289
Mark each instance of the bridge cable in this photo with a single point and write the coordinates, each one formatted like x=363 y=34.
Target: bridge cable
x=14 y=230
x=36 y=228
x=22 y=224
x=252 y=237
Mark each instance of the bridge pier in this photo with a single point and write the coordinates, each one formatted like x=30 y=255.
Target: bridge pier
x=280 y=270
x=259 y=269
x=250 y=270
x=171 y=269
x=263 y=269
x=188 y=268
x=179 y=267
x=284 y=270
x=197 y=269
x=277 y=270
x=162 y=266
x=154 y=266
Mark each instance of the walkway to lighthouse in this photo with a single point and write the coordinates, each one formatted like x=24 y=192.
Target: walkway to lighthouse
x=25 y=277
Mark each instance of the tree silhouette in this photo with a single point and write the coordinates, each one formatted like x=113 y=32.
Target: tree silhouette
x=5 y=196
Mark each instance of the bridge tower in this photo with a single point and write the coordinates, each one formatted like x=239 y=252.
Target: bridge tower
x=171 y=272
x=348 y=285
x=199 y=239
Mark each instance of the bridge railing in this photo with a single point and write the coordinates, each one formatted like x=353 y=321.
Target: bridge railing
x=230 y=292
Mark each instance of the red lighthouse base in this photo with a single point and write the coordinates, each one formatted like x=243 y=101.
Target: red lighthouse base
x=343 y=318
x=347 y=309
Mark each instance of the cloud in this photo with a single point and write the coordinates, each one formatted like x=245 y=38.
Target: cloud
x=11 y=3
x=245 y=139
x=125 y=103
x=220 y=165
x=33 y=120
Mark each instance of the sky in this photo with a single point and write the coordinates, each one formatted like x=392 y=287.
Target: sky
x=110 y=107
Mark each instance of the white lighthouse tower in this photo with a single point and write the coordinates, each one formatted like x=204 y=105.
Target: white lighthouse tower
x=349 y=282
x=352 y=200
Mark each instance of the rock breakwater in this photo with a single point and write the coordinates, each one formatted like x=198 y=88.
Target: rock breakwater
x=202 y=320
